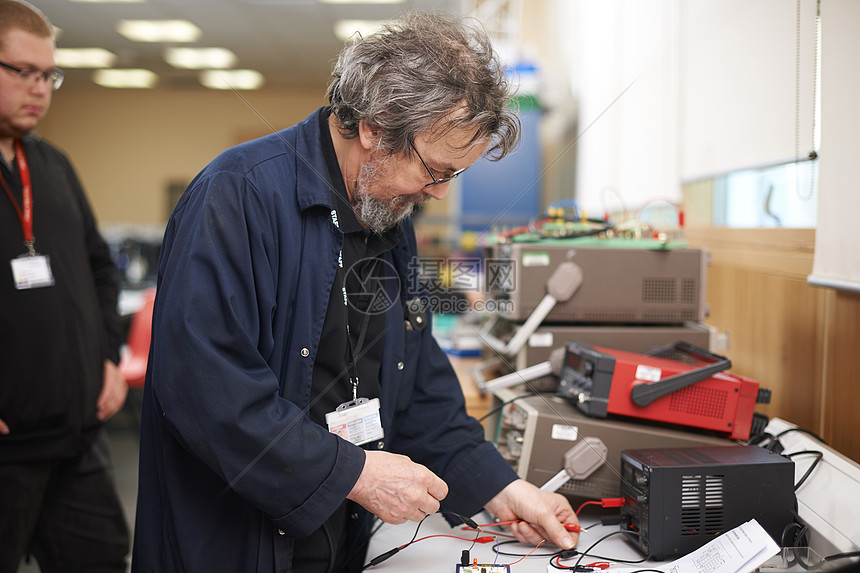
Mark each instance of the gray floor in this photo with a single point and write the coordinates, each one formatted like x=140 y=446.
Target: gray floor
x=123 y=435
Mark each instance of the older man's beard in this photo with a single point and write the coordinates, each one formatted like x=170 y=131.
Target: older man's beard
x=380 y=215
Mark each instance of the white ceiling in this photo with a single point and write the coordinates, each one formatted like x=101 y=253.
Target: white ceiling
x=291 y=42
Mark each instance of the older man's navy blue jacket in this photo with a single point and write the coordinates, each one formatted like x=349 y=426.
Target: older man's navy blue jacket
x=231 y=468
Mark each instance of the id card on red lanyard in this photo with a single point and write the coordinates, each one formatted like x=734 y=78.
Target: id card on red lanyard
x=29 y=270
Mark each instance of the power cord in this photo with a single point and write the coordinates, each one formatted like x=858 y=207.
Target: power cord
x=847 y=555
x=796 y=541
x=818 y=457
x=775 y=445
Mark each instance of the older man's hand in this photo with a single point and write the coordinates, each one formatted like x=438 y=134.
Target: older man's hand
x=543 y=514
x=396 y=489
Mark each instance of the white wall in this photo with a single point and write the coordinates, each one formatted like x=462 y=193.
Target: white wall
x=711 y=87
x=837 y=259
x=625 y=83
x=746 y=85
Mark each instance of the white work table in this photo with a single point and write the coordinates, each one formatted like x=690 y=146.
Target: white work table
x=442 y=554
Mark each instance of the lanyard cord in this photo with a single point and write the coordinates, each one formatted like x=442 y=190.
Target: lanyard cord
x=24 y=211
x=11 y=198
x=340 y=278
x=352 y=362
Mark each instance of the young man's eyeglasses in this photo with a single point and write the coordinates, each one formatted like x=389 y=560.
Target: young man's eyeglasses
x=54 y=78
x=433 y=177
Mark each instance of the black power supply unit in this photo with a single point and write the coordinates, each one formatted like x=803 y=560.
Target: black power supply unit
x=678 y=499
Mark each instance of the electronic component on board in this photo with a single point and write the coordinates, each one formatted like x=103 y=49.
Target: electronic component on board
x=483 y=568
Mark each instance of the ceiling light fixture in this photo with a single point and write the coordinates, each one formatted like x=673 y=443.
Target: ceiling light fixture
x=347 y=30
x=84 y=58
x=361 y=1
x=232 y=79
x=125 y=78
x=200 y=58
x=159 y=30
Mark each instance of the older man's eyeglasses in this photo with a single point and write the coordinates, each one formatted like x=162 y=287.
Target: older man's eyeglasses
x=433 y=177
x=54 y=78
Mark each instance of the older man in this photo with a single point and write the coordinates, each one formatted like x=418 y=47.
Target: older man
x=294 y=386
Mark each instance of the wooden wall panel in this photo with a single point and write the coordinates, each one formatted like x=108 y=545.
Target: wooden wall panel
x=800 y=341
x=842 y=409
x=773 y=329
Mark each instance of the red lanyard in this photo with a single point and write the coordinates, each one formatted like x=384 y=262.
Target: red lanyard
x=25 y=210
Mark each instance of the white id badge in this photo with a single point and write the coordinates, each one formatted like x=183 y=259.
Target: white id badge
x=32 y=272
x=357 y=421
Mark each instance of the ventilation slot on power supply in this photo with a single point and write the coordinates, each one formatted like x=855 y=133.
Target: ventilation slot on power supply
x=714 y=504
x=702 y=505
x=692 y=494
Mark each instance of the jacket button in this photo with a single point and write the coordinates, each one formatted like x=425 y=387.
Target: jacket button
x=281 y=532
x=400 y=366
x=305 y=352
x=380 y=445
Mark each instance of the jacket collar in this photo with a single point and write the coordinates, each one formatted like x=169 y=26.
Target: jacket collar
x=314 y=185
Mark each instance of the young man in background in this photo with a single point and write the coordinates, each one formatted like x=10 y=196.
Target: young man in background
x=59 y=332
